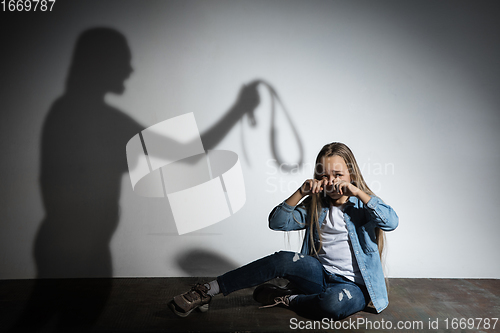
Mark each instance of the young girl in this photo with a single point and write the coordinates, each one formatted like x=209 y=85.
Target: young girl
x=338 y=271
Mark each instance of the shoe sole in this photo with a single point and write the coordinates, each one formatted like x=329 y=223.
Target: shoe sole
x=182 y=314
x=204 y=307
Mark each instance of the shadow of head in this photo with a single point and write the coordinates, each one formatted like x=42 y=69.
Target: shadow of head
x=101 y=61
x=201 y=262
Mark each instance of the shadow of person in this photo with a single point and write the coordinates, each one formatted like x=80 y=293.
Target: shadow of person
x=82 y=162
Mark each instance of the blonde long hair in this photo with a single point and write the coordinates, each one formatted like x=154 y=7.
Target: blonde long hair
x=315 y=202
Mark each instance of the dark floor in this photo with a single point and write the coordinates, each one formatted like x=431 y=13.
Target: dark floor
x=139 y=305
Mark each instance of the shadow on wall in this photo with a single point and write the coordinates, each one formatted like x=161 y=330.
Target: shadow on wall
x=202 y=262
x=82 y=162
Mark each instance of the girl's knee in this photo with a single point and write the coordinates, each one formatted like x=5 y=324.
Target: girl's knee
x=283 y=253
x=289 y=257
x=341 y=303
x=298 y=261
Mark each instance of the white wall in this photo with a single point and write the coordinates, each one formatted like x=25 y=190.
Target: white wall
x=411 y=87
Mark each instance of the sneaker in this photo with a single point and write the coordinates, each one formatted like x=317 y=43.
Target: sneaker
x=285 y=300
x=197 y=298
x=267 y=293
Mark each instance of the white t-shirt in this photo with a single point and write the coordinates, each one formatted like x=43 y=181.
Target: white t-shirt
x=336 y=254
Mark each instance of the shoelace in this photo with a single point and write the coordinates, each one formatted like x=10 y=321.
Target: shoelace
x=198 y=291
x=278 y=300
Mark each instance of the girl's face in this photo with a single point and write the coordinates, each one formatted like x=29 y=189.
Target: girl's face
x=337 y=168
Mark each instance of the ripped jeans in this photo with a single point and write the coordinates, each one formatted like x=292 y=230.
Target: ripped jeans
x=325 y=295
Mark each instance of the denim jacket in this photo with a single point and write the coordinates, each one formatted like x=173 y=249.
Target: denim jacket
x=361 y=221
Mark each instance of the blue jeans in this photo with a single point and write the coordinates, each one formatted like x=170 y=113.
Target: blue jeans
x=325 y=295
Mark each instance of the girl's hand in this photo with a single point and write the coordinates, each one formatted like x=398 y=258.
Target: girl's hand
x=311 y=186
x=336 y=185
x=342 y=187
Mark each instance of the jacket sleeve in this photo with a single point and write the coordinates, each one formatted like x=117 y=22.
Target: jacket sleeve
x=287 y=218
x=381 y=214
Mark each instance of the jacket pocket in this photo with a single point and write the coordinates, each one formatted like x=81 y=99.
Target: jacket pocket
x=367 y=239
